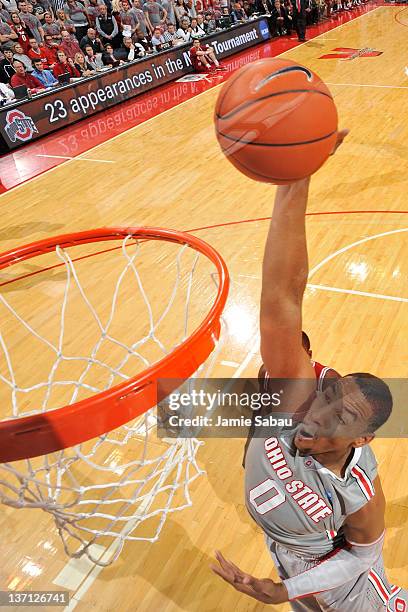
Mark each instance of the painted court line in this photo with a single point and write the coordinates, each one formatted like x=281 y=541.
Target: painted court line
x=101 y=161
x=231 y=364
x=76 y=598
x=340 y=290
x=248 y=276
x=378 y=296
x=250 y=355
x=368 y=85
x=353 y=244
x=75 y=571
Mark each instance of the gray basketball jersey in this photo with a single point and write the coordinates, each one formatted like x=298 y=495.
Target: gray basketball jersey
x=299 y=503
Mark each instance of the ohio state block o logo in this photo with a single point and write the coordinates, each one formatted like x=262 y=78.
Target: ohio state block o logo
x=19 y=126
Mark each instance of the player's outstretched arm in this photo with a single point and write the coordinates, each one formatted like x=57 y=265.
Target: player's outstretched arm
x=284 y=277
x=364 y=532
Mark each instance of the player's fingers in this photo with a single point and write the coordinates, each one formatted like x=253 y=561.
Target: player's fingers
x=340 y=137
x=223 y=562
x=222 y=573
x=235 y=569
x=226 y=568
x=220 y=556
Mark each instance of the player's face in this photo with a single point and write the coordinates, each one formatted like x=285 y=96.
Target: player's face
x=336 y=420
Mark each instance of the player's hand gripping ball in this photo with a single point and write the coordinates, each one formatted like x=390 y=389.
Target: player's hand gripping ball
x=276 y=121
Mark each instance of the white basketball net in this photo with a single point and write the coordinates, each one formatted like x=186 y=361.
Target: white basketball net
x=122 y=485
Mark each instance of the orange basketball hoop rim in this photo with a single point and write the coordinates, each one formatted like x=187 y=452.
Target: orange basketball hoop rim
x=47 y=432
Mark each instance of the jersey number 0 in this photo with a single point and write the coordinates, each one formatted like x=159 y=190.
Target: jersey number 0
x=277 y=498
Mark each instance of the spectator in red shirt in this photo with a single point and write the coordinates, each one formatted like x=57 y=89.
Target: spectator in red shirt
x=69 y=44
x=37 y=52
x=31 y=20
x=22 y=31
x=50 y=50
x=65 y=64
x=203 y=58
x=22 y=78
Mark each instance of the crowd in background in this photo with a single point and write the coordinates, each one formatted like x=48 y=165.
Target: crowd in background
x=45 y=43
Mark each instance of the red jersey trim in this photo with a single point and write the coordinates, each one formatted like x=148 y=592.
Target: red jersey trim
x=363 y=482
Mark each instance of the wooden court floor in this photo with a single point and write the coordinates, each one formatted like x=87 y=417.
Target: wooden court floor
x=169 y=172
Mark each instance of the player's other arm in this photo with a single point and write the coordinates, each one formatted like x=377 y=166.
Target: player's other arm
x=364 y=531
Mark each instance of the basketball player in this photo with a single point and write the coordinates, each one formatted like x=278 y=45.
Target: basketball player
x=314 y=490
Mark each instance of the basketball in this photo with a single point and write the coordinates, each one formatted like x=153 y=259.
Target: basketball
x=276 y=121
